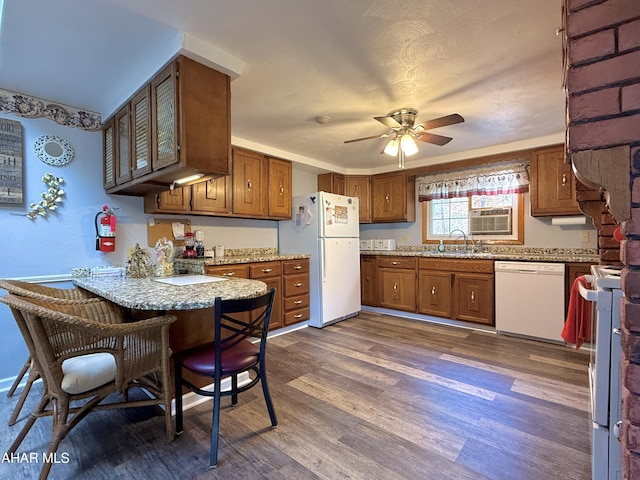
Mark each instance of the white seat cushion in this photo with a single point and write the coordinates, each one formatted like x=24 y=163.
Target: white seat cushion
x=86 y=372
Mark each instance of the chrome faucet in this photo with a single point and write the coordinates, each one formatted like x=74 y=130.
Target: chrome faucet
x=464 y=237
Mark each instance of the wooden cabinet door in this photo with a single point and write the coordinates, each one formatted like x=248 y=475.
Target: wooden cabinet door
x=474 y=299
x=212 y=197
x=123 y=145
x=368 y=281
x=164 y=118
x=398 y=289
x=331 y=183
x=109 y=153
x=552 y=184
x=392 y=197
x=249 y=193
x=360 y=186
x=279 y=188
x=141 y=133
x=177 y=200
x=434 y=293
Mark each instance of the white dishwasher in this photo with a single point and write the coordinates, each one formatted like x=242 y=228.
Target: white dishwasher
x=530 y=299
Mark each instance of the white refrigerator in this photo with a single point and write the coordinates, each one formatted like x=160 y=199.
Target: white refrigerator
x=326 y=226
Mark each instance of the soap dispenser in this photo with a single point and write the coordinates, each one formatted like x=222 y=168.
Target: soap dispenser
x=441 y=246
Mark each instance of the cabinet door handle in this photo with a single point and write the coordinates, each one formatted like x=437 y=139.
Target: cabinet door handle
x=433 y=291
x=564 y=179
x=266 y=270
x=297 y=302
x=386 y=197
x=249 y=185
x=395 y=285
x=298 y=267
x=473 y=296
x=297 y=284
x=228 y=274
x=281 y=190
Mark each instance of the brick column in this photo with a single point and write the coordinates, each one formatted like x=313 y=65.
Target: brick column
x=603 y=111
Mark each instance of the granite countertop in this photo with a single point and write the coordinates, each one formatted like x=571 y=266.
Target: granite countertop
x=236 y=256
x=522 y=254
x=150 y=294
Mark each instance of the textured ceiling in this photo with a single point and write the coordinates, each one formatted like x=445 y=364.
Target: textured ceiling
x=497 y=63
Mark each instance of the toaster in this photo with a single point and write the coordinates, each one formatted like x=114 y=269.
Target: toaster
x=384 y=244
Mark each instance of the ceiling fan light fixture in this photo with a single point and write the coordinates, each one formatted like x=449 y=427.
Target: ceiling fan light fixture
x=392 y=147
x=408 y=145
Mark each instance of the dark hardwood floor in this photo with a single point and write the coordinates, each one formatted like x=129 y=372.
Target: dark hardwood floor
x=373 y=397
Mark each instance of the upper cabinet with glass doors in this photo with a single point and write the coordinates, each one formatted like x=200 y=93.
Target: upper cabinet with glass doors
x=175 y=126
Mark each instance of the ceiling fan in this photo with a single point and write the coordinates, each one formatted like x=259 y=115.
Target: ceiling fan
x=404 y=132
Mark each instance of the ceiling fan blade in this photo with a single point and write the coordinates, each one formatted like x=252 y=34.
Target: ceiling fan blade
x=365 y=138
x=441 y=122
x=433 y=138
x=388 y=122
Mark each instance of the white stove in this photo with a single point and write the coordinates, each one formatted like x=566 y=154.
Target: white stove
x=604 y=371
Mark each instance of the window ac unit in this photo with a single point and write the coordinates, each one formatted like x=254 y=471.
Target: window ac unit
x=494 y=221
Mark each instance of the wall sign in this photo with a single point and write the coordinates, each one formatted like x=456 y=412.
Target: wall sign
x=11 y=166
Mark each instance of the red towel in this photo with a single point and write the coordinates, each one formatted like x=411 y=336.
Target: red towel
x=577 y=327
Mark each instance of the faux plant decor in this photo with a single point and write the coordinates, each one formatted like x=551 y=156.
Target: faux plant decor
x=50 y=198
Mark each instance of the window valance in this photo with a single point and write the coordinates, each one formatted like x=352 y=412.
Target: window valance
x=496 y=179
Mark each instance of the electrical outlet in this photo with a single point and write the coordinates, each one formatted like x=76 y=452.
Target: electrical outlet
x=404 y=239
x=584 y=237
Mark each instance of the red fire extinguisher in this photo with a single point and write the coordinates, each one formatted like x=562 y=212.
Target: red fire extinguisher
x=106 y=230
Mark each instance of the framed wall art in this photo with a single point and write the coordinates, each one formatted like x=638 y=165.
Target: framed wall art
x=11 y=163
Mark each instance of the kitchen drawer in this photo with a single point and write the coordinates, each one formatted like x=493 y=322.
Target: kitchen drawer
x=296 y=285
x=238 y=271
x=295 y=266
x=296 y=316
x=265 y=269
x=396 y=262
x=292 y=303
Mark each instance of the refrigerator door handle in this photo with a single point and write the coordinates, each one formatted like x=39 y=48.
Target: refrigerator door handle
x=323 y=260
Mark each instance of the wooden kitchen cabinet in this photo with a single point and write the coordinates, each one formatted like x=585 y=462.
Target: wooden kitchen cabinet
x=189 y=129
x=249 y=189
x=360 y=186
x=474 y=299
x=279 y=184
x=290 y=278
x=368 y=281
x=141 y=133
x=271 y=274
x=176 y=200
x=397 y=280
x=393 y=197
x=212 y=197
x=108 y=153
x=296 y=291
x=435 y=293
x=456 y=289
x=123 y=145
x=552 y=184
x=332 y=183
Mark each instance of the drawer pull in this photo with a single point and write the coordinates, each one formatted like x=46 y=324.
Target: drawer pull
x=395 y=263
x=299 y=284
x=298 y=267
x=297 y=315
x=297 y=302
x=228 y=274
x=266 y=270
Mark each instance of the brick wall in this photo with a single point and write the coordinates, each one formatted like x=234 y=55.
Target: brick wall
x=603 y=110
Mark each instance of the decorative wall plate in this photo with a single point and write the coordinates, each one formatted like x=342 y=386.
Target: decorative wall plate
x=53 y=150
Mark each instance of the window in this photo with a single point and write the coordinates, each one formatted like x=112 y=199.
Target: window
x=441 y=216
